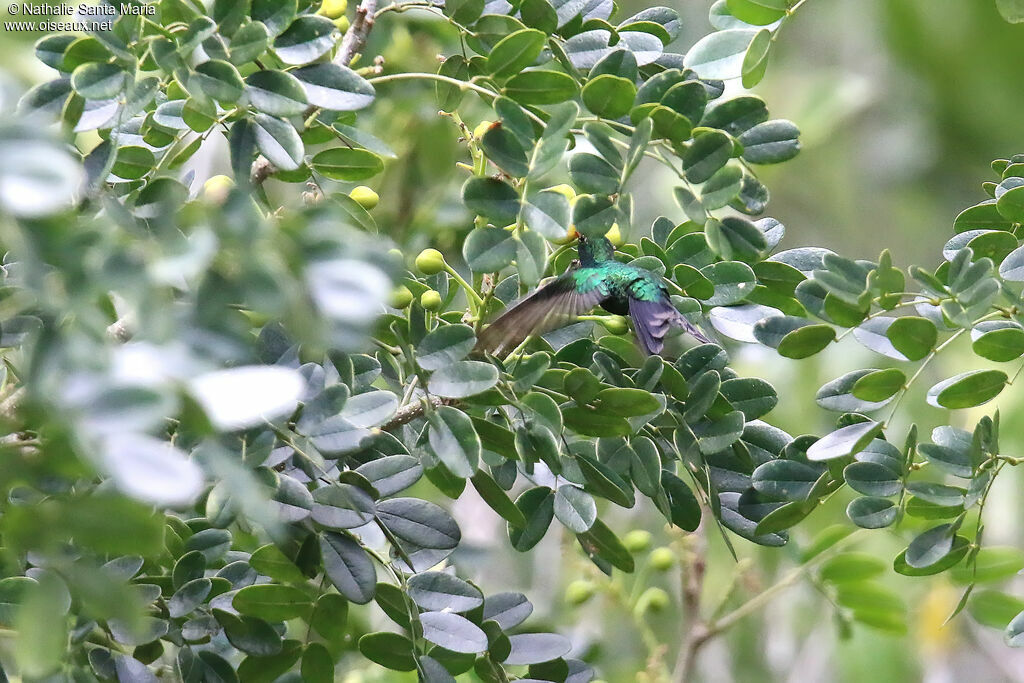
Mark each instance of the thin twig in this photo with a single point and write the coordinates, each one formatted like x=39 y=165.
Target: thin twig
x=412 y=411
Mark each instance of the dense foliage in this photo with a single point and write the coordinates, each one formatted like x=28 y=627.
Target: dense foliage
x=230 y=410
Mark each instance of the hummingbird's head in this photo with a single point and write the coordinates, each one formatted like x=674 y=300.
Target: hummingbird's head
x=595 y=249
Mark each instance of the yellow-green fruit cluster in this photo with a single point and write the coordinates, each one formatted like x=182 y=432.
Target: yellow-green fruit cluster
x=654 y=600
x=332 y=9
x=401 y=297
x=364 y=196
x=579 y=591
x=430 y=300
x=430 y=262
x=216 y=188
x=662 y=558
x=637 y=540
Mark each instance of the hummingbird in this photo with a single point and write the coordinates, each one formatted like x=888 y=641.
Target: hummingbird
x=595 y=278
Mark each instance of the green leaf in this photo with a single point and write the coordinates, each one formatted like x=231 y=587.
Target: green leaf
x=733 y=281
x=537 y=506
x=390 y=650
x=493 y=199
x=937 y=494
x=444 y=346
x=270 y=561
x=912 y=336
x=844 y=441
x=348 y=566
x=575 y=508
x=685 y=511
x=548 y=213
x=540 y=86
x=347 y=164
x=515 y=52
x=249 y=43
x=249 y=634
x=601 y=542
x=609 y=96
x=1001 y=344
x=278 y=141
x=591 y=173
x=851 y=567
x=133 y=162
x=785 y=479
x=272 y=602
x=463 y=378
x=771 y=142
x=305 y=39
x=504 y=148
x=96 y=81
x=277 y=93
x=994 y=608
x=539 y=14
x=872 y=479
x=464 y=12
x=332 y=86
x=755 y=61
x=625 y=402
x=735 y=239
x=594 y=215
x=439 y=591
x=497 y=499
x=317 y=664
x=878 y=385
x=872 y=513
x=1011 y=10
x=968 y=389
x=454 y=440
x=536 y=648
x=342 y=506
x=930 y=547
x=453 y=632
x=706 y=155
x=218 y=80
x=758 y=12
x=805 y=341
x=1012 y=267
x=488 y=250
x=992 y=563
x=419 y=522
x=720 y=54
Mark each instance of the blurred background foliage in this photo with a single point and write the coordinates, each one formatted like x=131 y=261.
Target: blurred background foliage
x=901 y=104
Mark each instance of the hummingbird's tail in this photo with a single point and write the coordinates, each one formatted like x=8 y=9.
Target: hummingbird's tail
x=652 y=321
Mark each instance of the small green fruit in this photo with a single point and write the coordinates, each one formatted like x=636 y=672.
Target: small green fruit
x=615 y=324
x=637 y=540
x=401 y=297
x=216 y=188
x=430 y=262
x=654 y=600
x=579 y=591
x=364 y=196
x=430 y=300
x=342 y=23
x=332 y=9
x=662 y=558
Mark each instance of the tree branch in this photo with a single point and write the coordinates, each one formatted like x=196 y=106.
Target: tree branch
x=412 y=411
x=352 y=43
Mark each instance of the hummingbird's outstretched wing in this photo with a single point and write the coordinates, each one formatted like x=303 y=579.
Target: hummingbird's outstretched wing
x=548 y=307
x=653 y=316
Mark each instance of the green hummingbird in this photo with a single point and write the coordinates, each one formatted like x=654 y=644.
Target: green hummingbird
x=595 y=278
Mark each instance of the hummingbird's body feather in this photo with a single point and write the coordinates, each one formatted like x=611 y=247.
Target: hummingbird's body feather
x=595 y=279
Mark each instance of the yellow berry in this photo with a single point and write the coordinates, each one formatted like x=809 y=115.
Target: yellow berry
x=614 y=235
x=653 y=599
x=662 y=558
x=579 y=591
x=430 y=262
x=365 y=197
x=332 y=9
x=430 y=300
x=401 y=297
x=637 y=540
x=482 y=128
x=216 y=188
x=616 y=324
x=342 y=23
